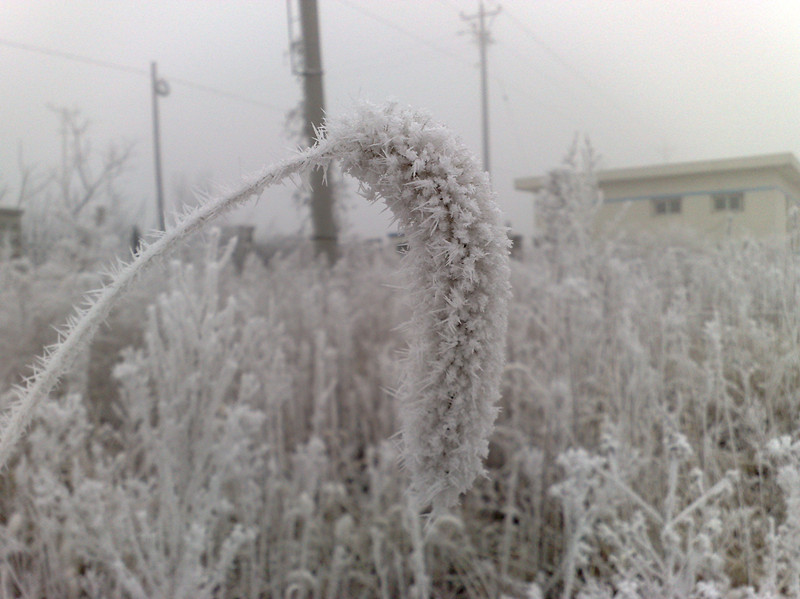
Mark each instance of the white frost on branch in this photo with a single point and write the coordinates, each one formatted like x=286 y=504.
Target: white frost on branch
x=458 y=262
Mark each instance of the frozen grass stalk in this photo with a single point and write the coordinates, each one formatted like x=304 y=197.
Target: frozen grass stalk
x=458 y=265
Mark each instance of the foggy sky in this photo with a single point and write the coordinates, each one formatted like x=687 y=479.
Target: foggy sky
x=645 y=80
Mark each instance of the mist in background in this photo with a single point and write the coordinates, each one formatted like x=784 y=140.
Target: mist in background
x=646 y=81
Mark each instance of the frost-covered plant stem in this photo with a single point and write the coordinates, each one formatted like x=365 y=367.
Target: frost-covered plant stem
x=458 y=262
x=81 y=328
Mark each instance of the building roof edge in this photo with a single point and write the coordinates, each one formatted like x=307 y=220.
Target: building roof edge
x=785 y=162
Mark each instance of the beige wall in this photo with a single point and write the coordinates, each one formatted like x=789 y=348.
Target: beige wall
x=770 y=184
x=629 y=204
x=764 y=215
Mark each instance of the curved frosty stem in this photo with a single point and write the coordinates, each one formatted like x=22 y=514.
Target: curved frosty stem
x=458 y=265
x=82 y=326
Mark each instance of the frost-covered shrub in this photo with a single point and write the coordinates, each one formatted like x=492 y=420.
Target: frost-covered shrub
x=32 y=299
x=616 y=537
x=783 y=550
x=458 y=265
x=638 y=332
x=640 y=373
x=565 y=212
x=151 y=508
x=239 y=460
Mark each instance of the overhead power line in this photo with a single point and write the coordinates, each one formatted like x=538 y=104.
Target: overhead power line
x=136 y=71
x=555 y=55
x=403 y=30
x=74 y=57
x=529 y=98
x=450 y=4
x=225 y=94
x=575 y=71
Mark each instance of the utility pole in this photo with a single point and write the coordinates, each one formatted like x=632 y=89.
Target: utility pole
x=159 y=88
x=324 y=234
x=484 y=38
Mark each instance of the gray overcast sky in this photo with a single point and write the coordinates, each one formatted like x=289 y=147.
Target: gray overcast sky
x=644 y=79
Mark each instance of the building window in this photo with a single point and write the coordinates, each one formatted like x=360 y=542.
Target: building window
x=670 y=205
x=729 y=202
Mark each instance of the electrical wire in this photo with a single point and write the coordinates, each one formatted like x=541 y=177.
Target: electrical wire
x=554 y=55
x=402 y=30
x=136 y=71
x=449 y=4
x=74 y=57
x=461 y=59
x=225 y=94
x=571 y=68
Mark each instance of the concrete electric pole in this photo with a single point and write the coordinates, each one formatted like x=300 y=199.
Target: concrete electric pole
x=484 y=38
x=159 y=88
x=324 y=225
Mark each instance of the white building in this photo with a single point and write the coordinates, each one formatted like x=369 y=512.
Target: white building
x=754 y=196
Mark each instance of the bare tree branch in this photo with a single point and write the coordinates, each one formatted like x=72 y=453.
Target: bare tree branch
x=31 y=182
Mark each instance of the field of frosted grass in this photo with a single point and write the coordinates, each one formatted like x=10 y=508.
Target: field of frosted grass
x=233 y=434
